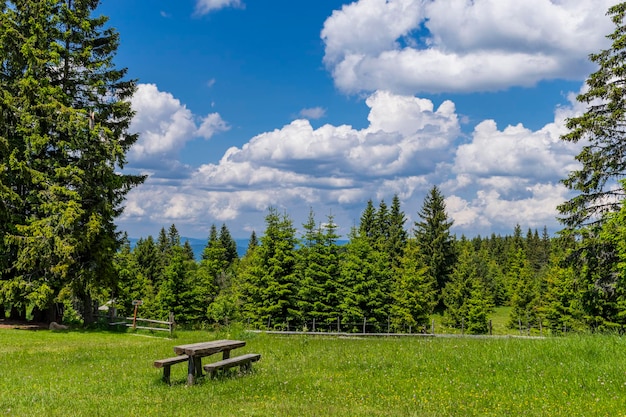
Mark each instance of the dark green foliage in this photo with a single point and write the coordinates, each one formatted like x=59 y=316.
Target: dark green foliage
x=268 y=283
x=560 y=309
x=433 y=236
x=525 y=292
x=601 y=129
x=367 y=225
x=465 y=297
x=365 y=283
x=397 y=236
x=414 y=293
x=318 y=272
x=65 y=114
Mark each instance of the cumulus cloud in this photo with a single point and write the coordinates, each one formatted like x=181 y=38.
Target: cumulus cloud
x=207 y=6
x=496 y=178
x=510 y=176
x=164 y=125
x=410 y=46
x=313 y=113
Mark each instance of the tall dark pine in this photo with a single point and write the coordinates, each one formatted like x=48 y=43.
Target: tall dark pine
x=434 y=239
x=229 y=245
x=397 y=239
x=64 y=118
x=603 y=130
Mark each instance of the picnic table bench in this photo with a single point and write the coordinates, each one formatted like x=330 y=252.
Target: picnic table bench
x=193 y=354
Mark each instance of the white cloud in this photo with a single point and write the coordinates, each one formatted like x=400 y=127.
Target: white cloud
x=495 y=179
x=410 y=46
x=207 y=6
x=515 y=151
x=313 y=113
x=164 y=125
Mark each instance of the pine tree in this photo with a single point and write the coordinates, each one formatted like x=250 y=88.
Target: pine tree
x=132 y=284
x=466 y=300
x=310 y=271
x=525 y=292
x=365 y=283
x=414 y=293
x=253 y=242
x=267 y=284
x=229 y=245
x=434 y=239
x=367 y=224
x=397 y=235
x=601 y=130
x=65 y=114
x=318 y=272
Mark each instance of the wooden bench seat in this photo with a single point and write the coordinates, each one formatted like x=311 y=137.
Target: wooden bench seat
x=243 y=361
x=166 y=363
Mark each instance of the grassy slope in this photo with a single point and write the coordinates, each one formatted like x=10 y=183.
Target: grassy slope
x=110 y=374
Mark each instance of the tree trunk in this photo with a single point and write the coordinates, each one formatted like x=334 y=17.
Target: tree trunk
x=46 y=315
x=17 y=314
x=88 y=316
x=39 y=316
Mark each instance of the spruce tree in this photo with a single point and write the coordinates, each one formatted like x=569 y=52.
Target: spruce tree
x=367 y=224
x=525 y=292
x=601 y=130
x=465 y=297
x=397 y=234
x=414 y=292
x=229 y=245
x=433 y=236
x=365 y=284
x=65 y=114
x=267 y=282
x=311 y=274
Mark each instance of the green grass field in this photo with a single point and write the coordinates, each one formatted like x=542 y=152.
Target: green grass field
x=91 y=373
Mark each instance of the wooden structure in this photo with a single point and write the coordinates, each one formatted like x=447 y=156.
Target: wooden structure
x=244 y=362
x=166 y=363
x=193 y=354
x=132 y=322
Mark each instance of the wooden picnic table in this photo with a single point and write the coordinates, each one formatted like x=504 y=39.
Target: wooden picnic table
x=196 y=351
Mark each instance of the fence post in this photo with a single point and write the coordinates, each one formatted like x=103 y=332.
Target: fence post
x=463 y=325
x=519 y=322
x=338 y=325
x=171 y=320
x=364 y=322
x=490 y=328
x=388 y=322
x=432 y=327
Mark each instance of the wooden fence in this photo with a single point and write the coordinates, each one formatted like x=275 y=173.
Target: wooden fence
x=133 y=322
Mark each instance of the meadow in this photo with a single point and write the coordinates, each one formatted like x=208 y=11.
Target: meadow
x=102 y=373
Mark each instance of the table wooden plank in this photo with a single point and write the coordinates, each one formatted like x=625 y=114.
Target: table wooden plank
x=208 y=348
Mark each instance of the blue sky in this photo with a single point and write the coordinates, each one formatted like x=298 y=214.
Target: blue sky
x=243 y=104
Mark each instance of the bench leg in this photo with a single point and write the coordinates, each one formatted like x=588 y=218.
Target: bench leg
x=198 y=365
x=191 y=371
x=166 y=374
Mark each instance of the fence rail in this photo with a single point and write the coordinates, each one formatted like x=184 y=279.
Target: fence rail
x=132 y=322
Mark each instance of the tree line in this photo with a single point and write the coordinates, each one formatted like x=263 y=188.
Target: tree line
x=385 y=275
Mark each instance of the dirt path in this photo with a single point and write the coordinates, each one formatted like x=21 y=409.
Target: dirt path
x=22 y=325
